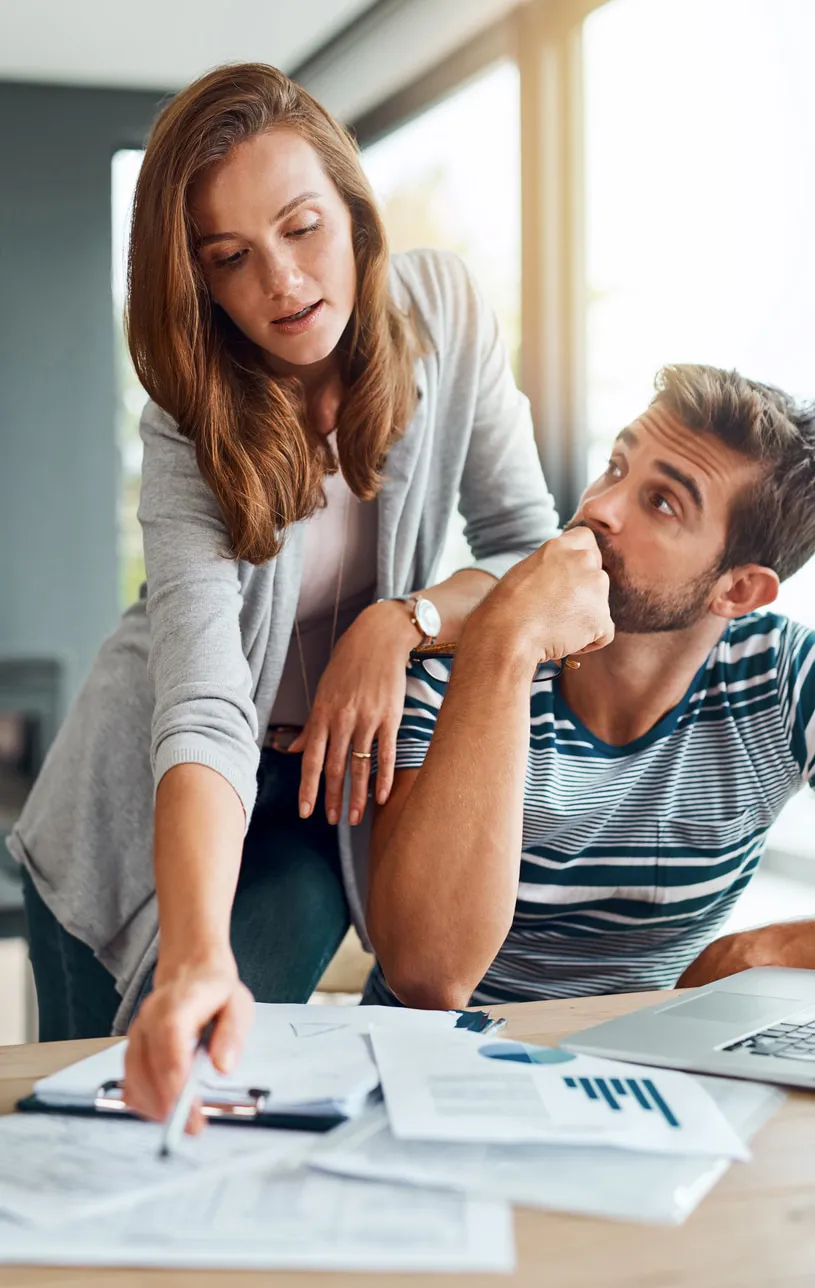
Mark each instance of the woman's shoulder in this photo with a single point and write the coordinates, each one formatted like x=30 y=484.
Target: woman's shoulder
x=157 y=423
x=438 y=284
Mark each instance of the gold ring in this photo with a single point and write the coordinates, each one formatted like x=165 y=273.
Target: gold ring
x=361 y=755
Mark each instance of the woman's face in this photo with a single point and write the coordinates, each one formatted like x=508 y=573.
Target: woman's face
x=274 y=241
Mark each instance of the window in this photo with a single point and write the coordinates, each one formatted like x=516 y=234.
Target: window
x=451 y=178
x=131 y=396
x=700 y=191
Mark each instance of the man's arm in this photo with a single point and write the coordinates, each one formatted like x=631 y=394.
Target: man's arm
x=786 y=943
x=446 y=848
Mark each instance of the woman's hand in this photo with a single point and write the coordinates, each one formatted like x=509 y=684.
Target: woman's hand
x=162 y=1039
x=360 y=697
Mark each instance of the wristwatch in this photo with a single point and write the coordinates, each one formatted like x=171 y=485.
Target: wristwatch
x=424 y=616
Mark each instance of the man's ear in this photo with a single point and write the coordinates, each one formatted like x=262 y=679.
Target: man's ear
x=743 y=590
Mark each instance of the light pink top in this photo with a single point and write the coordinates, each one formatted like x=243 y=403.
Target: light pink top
x=344 y=517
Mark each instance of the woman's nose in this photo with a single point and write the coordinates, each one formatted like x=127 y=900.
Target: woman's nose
x=279 y=275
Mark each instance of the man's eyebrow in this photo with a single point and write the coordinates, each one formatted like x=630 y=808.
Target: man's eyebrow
x=690 y=485
x=281 y=214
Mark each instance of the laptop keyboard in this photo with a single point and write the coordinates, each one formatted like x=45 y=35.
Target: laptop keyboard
x=790 y=1040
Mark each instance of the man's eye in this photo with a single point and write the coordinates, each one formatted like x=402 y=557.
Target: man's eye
x=663 y=505
x=613 y=469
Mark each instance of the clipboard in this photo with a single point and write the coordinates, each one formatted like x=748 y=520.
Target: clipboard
x=250 y=1109
x=249 y=1106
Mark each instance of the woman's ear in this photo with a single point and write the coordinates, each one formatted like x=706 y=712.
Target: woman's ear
x=743 y=590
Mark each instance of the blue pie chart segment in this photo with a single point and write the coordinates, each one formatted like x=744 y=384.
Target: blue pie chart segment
x=524 y=1053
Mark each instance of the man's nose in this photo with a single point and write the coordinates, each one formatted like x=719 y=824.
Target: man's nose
x=605 y=511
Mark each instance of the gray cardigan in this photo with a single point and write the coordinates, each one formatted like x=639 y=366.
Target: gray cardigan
x=190 y=673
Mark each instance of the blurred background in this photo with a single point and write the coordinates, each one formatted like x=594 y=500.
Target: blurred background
x=632 y=182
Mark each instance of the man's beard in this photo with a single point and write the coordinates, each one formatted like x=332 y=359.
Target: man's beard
x=635 y=611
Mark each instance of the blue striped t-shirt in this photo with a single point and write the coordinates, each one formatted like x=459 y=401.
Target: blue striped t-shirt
x=633 y=856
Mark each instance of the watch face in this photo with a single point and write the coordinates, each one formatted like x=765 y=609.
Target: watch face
x=427 y=615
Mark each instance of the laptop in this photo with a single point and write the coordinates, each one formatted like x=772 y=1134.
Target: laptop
x=759 y=1024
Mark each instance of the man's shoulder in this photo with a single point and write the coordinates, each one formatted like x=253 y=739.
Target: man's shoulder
x=762 y=639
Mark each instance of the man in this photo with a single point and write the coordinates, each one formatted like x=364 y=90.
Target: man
x=593 y=837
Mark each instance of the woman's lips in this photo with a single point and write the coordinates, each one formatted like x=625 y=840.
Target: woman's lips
x=299 y=322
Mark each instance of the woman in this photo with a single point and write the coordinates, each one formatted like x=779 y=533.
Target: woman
x=315 y=413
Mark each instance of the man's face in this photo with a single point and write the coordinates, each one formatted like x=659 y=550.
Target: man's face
x=660 y=515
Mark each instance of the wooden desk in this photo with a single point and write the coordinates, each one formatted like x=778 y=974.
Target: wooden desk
x=756 y=1230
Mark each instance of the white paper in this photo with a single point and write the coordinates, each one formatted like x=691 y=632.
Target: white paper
x=454 y=1088
x=309 y=1021
x=273 y=1220
x=298 y=1075
x=54 y=1168
x=592 y=1181
x=332 y=1072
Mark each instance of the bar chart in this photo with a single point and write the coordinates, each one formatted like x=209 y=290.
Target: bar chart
x=620 y=1093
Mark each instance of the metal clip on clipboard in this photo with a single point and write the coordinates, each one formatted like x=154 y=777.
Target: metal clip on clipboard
x=238 y=1106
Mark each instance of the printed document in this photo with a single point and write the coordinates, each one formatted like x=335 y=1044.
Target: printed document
x=309 y=1020
x=299 y=1076
x=333 y=1072
x=590 y=1180
x=271 y=1219
x=462 y=1087
x=55 y=1168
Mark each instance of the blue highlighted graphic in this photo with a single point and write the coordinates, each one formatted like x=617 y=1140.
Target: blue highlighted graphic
x=609 y=1090
x=646 y=1094
x=524 y=1053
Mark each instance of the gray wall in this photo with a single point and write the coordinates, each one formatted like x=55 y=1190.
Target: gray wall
x=59 y=464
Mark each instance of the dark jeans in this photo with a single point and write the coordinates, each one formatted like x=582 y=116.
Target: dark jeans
x=288 y=919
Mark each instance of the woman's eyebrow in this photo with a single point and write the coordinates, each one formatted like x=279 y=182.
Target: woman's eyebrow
x=212 y=238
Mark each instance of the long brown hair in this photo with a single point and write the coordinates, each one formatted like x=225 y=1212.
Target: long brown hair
x=251 y=438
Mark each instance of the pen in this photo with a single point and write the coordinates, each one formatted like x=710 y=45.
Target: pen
x=177 y=1121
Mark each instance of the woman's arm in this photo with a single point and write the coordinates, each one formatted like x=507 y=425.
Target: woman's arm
x=199 y=825
x=204 y=756
x=204 y=711
x=376 y=650
x=506 y=505
x=446 y=848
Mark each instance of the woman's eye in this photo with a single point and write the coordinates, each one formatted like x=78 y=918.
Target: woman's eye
x=231 y=260
x=613 y=469
x=303 y=232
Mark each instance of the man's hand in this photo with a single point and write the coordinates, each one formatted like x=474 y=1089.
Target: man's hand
x=734 y=953
x=551 y=604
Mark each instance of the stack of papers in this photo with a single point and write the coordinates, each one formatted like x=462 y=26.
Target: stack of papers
x=252 y=1212
x=278 y=1059
x=424 y=1181
x=461 y=1087
x=593 y=1181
